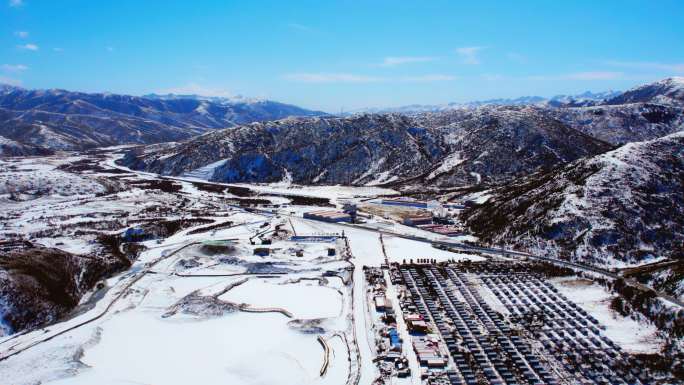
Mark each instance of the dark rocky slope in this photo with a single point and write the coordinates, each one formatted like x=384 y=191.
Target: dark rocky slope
x=623 y=206
x=443 y=149
x=40 y=285
x=11 y=148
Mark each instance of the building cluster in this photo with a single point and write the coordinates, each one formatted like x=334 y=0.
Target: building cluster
x=405 y=202
x=388 y=343
x=430 y=352
x=543 y=338
x=566 y=331
x=428 y=223
x=332 y=216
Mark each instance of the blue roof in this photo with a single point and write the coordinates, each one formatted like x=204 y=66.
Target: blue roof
x=394 y=337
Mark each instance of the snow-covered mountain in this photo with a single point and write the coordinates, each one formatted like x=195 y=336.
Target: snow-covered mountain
x=59 y=119
x=460 y=147
x=624 y=123
x=668 y=91
x=645 y=112
x=583 y=99
x=215 y=99
x=488 y=144
x=623 y=206
x=497 y=143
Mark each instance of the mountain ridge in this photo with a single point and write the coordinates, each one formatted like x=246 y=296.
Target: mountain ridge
x=65 y=120
x=582 y=99
x=494 y=144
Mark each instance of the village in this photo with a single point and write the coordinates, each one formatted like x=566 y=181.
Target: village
x=328 y=285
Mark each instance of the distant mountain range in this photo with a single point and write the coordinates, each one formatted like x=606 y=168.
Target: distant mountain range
x=215 y=99
x=489 y=144
x=596 y=177
x=40 y=121
x=64 y=120
x=584 y=99
x=600 y=183
x=668 y=91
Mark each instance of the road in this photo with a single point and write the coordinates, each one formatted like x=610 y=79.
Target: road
x=500 y=251
x=489 y=250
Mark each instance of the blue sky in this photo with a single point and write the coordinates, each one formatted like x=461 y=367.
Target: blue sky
x=334 y=55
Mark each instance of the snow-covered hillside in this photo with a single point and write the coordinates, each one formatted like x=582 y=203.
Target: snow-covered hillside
x=10 y=147
x=493 y=143
x=619 y=124
x=622 y=207
x=585 y=98
x=59 y=119
x=667 y=91
x=496 y=143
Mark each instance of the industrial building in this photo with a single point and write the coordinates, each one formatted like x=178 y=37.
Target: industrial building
x=440 y=229
x=381 y=303
x=418 y=220
x=328 y=216
x=406 y=202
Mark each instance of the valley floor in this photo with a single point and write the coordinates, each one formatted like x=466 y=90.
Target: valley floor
x=233 y=298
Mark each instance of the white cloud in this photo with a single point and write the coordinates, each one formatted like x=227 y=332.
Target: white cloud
x=392 y=61
x=29 y=47
x=21 y=34
x=469 y=55
x=16 y=3
x=13 y=67
x=10 y=81
x=668 y=67
x=429 y=78
x=331 y=78
x=57 y=49
x=196 y=89
x=299 y=27
x=109 y=48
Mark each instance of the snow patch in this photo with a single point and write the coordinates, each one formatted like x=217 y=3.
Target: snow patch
x=451 y=161
x=204 y=172
x=633 y=336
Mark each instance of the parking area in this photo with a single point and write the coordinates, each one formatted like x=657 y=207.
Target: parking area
x=503 y=324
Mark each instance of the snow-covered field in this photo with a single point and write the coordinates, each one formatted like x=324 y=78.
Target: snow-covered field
x=321 y=302
x=182 y=314
x=142 y=330
x=137 y=342
x=400 y=249
x=128 y=337
x=631 y=335
x=32 y=178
